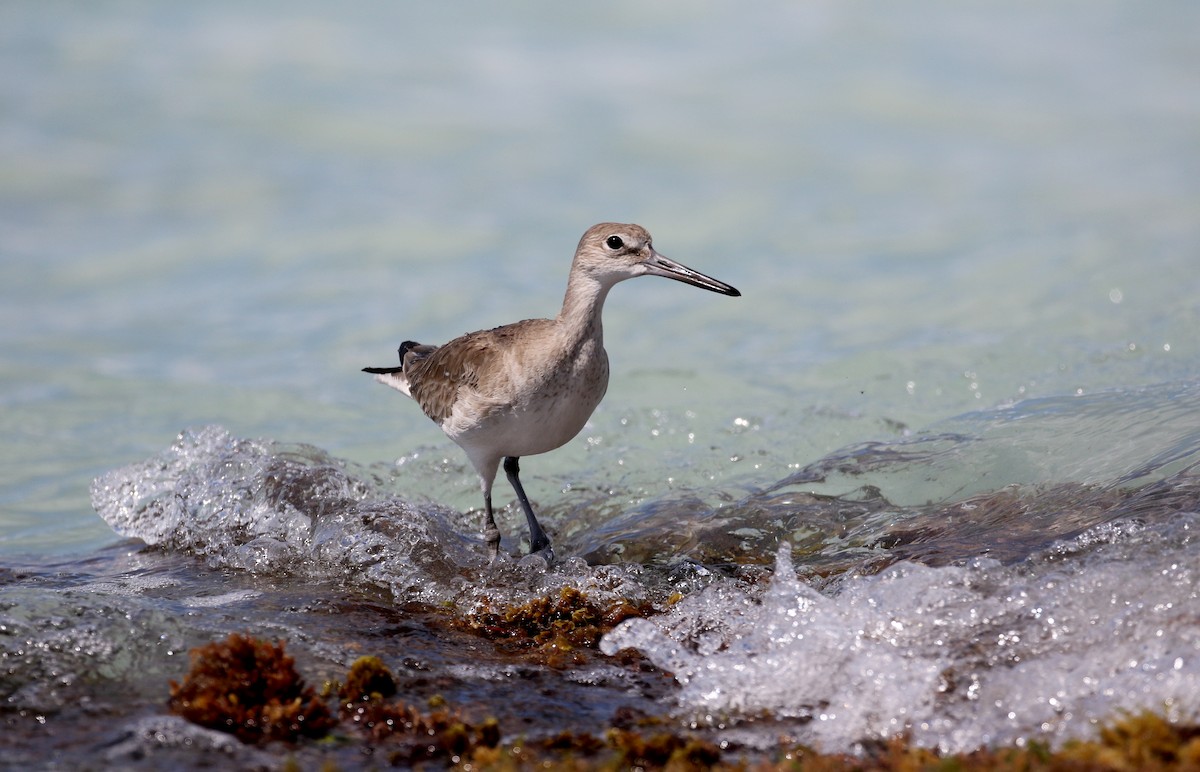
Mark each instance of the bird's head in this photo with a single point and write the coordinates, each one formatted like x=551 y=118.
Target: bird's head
x=612 y=252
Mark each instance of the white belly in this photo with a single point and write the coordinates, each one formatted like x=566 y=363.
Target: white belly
x=525 y=430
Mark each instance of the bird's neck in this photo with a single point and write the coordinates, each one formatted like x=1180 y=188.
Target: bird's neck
x=582 y=305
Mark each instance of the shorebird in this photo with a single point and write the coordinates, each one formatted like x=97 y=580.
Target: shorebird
x=529 y=387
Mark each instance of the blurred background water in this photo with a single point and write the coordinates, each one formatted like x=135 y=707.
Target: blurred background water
x=979 y=222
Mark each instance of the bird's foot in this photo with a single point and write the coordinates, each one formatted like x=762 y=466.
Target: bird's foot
x=492 y=537
x=543 y=550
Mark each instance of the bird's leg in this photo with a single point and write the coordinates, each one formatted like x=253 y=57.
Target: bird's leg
x=537 y=537
x=491 y=534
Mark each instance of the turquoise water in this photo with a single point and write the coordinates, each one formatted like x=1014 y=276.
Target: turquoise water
x=967 y=241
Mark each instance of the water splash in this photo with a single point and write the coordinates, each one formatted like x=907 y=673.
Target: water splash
x=958 y=657
x=276 y=509
x=999 y=618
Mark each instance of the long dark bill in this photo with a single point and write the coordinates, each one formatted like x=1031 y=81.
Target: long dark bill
x=658 y=265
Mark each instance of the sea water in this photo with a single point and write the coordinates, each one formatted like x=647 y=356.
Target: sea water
x=934 y=473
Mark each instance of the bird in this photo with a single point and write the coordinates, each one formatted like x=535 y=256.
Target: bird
x=529 y=387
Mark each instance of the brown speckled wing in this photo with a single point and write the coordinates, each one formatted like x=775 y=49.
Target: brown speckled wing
x=478 y=362
x=437 y=377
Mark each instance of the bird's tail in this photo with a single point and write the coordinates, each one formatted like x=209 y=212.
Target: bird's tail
x=405 y=347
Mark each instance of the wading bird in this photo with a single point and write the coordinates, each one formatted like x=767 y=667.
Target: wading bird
x=529 y=387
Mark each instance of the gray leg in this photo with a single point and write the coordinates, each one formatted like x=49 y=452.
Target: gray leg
x=538 y=540
x=491 y=533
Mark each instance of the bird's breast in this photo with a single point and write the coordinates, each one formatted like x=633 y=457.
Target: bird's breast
x=544 y=406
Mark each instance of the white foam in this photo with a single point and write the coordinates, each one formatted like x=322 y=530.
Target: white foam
x=958 y=657
x=271 y=508
x=266 y=508
x=224 y=599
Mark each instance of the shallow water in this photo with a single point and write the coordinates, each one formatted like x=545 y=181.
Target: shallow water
x=960 y=385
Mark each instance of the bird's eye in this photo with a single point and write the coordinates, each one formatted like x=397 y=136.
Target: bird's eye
x=614 y=242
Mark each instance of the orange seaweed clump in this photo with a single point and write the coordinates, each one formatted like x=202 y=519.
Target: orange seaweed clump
x=249 y=688
x=663 y=750
x=1146 y=742
x=413 y=736
x=368 y=679
x=553 y=625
